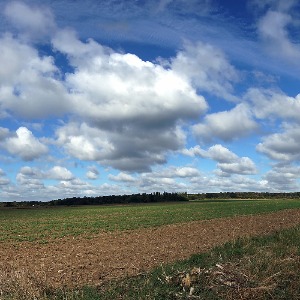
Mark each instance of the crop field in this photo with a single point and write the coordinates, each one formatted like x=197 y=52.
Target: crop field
x=73 y=252
x=46 y=224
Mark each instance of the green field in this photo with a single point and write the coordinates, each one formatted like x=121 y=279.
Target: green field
x=44 y=224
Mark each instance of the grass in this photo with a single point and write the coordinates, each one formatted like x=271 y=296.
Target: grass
x=46 y=224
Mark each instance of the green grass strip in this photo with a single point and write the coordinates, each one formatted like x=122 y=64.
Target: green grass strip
x=50 y=223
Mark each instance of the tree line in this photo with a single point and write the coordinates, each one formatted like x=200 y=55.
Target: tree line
x=151 y=198
x=100 y=200
x=244 y=195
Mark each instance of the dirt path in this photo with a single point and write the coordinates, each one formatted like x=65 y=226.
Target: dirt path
x=75 y=262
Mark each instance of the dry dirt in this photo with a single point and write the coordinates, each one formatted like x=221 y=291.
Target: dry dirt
x=78 y=261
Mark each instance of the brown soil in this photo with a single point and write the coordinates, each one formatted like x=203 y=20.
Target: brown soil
x=79 y=261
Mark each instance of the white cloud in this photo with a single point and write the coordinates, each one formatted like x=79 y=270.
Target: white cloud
x=149 y=183
x=230 y=163
x=33 y=22
x=59 y=173
x=186 y=172
x=274 y=27
x=207 y=68
x=92 y=173
x=226 y=125
x=3 y=180
x=25 y=145
x=282 y=146
x=128 y=149
x=227 y=162
x=268 y=103
x=221 y=154
x=283 y=178
x=84 y=142
x=133 y=109
x=194 y=151
x=29 y=87
x=56 y=173
x=118 y=88
x=243 y=166
x=123 y=177
x=177 y=172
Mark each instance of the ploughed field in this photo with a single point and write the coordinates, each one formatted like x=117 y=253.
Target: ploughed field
x=79 y=246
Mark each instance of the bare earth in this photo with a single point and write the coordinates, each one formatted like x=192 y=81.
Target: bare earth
x=78 y=261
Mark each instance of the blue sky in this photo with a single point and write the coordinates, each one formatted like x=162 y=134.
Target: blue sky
x=114 y=97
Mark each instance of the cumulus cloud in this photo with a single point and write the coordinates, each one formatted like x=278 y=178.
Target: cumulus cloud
x=207 y=68
x=130 y=149
x=230 y=163
x=227 y=162
x=221 y=154
x=268 y=103
x=56 y=173
x=243 y=166
x=149 y=183
x=25 y=145
x=226 y=125
x=194 y=151
x=283 y=177
x=177 y=172
x=185 y=172
x=29 y=86
x=283 y=146
x=59 y=173
x=133 y=109
x=226 y=184
x=92 y=173
x=118 y=88
x=123 y=177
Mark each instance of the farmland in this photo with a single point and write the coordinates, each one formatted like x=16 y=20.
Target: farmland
x=47 y=224
x=42 y=249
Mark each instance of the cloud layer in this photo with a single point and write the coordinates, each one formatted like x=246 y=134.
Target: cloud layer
x=83 y=116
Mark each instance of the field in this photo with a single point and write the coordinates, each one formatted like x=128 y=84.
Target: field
x=46 y=224
x=43 y=250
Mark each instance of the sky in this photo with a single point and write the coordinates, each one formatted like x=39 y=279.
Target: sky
x=137 y=96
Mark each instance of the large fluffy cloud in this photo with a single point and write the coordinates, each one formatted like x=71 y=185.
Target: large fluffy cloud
x=283 y=146
x=29 y=83
x=283 y=177
x=131 y=110
x=122 y=177
x=131 y=148
x=111 y=89
x=226 y=125
x=270 y=104
x=227 y=162
x=24 y=145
